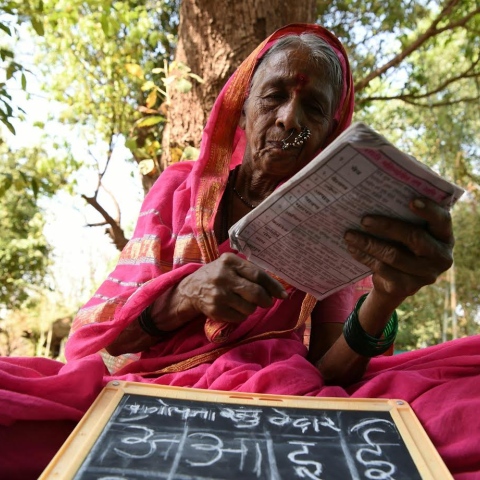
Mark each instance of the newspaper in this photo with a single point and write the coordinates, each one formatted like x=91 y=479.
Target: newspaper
x=297 y=232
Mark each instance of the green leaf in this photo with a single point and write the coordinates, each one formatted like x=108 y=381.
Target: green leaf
x=190 y=153
x=25 y=179
x=10 y=71
x=149 y=121
x=24 y=82
x=151 y=99
x=38 y=26
x=105 y=25
x=183 y=85
x=148 y=86
x=134 y=69
x=8 y=125
x=5 y=184
x=131 y=143
x=35 y=188
x=197 y=78
x=147 y=166
x=5 y=29
x=169 y=80
x=5 y=53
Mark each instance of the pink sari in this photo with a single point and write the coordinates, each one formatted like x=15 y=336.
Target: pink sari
x=266 y=354
x=174 y=237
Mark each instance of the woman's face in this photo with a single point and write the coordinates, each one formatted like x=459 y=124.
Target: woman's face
x=288 y=92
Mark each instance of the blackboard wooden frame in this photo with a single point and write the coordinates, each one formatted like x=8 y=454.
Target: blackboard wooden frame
x=69 y=459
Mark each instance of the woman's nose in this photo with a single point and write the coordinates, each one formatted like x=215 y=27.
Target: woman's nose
x=289 y=115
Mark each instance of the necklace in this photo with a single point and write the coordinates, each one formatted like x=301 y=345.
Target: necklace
x=246 y=202
x=237 y=193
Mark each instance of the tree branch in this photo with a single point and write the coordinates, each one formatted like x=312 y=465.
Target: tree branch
x=431 y=32
x=114 y=200
x=109 y=157
x=439 y=88
x=115 y=231
x=411 y=101
x=99 y=224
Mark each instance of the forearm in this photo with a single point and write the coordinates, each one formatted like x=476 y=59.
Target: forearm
x=131 y=340
x=340 y=365
x=170 y=311
x=227 y=289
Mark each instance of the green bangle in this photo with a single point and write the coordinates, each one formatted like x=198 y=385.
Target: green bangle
x=362 y=342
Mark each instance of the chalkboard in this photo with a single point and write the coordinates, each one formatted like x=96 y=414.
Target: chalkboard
x=137 y=431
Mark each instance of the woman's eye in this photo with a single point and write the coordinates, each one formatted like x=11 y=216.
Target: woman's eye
x=317 y=109
x=274 y=96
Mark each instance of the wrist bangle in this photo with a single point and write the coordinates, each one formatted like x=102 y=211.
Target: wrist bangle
x=147 y=324
x=362 y=342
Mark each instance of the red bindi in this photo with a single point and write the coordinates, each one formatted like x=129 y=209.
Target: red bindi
x=301 y=80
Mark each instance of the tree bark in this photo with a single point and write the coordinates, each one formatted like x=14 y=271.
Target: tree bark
x=214 y=37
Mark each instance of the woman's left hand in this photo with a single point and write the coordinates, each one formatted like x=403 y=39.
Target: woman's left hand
x=403 y=256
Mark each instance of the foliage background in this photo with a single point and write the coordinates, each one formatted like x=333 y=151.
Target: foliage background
x=105 y=74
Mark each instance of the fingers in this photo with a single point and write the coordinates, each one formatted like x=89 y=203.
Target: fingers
x=405 y=256
x=231 y=288
x=253 y=284
x=260 y=278
x=374 y=253
x=400 y=279
x=407 y=247
x=431 y=241
x=252 y=293
x=438 y=219
x=416 y=238
x=231 y=309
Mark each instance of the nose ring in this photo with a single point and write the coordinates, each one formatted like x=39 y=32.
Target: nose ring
x=299 y=140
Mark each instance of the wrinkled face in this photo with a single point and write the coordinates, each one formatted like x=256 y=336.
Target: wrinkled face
x=288 y=92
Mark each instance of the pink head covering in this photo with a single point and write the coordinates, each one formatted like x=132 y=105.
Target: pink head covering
x=223 y=142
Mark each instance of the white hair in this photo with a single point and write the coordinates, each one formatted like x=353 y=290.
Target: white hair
x=321 y=53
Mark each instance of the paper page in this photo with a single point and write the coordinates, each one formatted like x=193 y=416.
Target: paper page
x=297 y=232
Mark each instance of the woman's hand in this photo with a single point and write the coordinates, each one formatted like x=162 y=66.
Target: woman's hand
x=402 y=256
x=229 y=289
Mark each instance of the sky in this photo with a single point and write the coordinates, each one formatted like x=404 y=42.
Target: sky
x=82 y=255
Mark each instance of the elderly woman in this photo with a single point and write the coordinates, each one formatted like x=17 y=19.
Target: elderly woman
x=191 y=309
x=182 y=308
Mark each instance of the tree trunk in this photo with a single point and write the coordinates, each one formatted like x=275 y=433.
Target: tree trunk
x=214 y=37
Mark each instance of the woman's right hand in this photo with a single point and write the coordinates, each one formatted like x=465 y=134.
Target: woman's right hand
x=229 y=289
